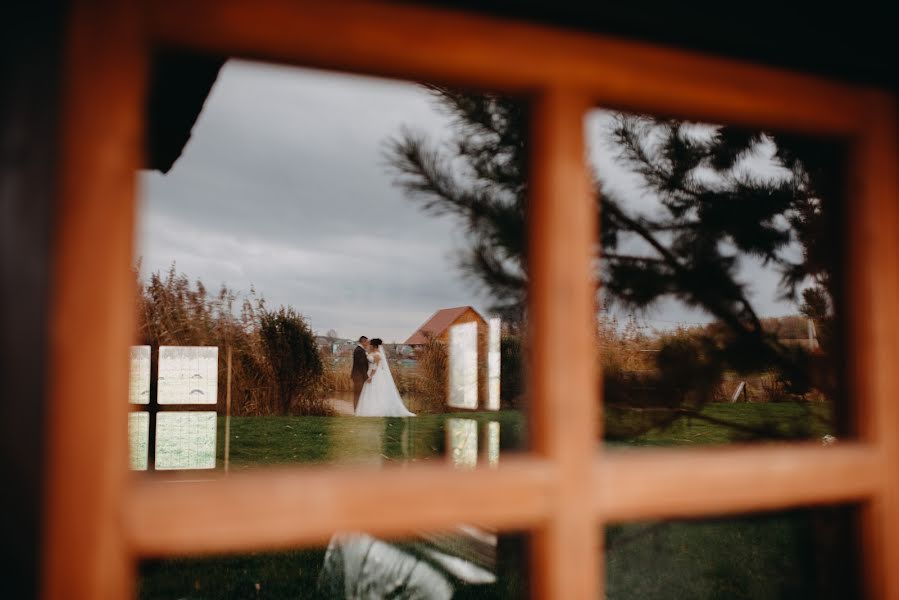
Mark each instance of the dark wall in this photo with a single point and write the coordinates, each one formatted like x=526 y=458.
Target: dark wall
x=30 y=43
x=854 y=41
x=855 y=44
x=179 y=86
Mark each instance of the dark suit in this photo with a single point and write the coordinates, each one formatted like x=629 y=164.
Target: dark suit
x=359 y=374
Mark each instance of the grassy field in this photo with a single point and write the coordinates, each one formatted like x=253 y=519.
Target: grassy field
x=281 y=440
x=792 y=554
x=352 y=440
x=767 y=556
x=724 y=424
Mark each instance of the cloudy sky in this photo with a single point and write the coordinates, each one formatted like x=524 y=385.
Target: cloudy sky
x=283 y=187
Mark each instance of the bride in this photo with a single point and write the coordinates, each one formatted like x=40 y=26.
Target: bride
x=379 y=397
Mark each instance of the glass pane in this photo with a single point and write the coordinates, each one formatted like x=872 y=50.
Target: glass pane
x=348 y=440
x=139 y=439
x=335 y=262
x=188 y=375
x=722 y=285
x=806 y=553
x=139 y=381
x=466 y=563
x=185 y=440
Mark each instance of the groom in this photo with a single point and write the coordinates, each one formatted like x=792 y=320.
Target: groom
x=360 y=369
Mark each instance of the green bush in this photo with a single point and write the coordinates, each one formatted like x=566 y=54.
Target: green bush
x=292 y=355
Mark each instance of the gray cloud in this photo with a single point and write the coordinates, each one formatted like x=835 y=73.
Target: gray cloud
x=283 y=187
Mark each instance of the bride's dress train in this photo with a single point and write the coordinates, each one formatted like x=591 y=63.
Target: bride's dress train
x=380 y=397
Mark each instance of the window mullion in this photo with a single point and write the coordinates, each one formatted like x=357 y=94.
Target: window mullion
x=563 y=360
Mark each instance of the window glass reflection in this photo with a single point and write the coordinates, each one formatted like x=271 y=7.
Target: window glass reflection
x=185 y=440
x=722 y=286
x=803 y=553
x=187 y=375
x=139 y=439
x=139 y=375
x=465 y=562
x=335 y=263
x=463 y=442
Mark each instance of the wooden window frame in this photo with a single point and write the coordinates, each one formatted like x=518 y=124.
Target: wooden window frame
x=101 y=519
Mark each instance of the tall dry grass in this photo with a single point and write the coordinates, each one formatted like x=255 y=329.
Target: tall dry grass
x=432 y=379
x=264 y=381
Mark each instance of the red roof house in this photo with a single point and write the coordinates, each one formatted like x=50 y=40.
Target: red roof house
x=440 y=322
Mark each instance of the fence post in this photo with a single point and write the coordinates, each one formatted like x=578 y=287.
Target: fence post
x=228 y=413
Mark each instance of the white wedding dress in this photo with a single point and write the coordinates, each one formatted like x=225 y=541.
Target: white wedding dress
x=379 y=397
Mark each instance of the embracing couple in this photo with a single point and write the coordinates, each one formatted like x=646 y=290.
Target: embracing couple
x=375 y=393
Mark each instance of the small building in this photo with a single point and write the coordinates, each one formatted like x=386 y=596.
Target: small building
x=438 y=327
x=344 y=348
x=439 y=324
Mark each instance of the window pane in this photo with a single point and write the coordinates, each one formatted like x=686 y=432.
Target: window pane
x=188 y=375
x=466 y=563
x=185 y=440
x=138 y=439
x=295 y=211
x=722 y=283
x=804 y=553
x=139 y=381
x=347 y=440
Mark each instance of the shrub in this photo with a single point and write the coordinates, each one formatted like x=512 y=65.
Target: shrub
x=292 y=355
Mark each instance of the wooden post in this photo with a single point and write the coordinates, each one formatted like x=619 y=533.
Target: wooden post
x=85 y=553
x=562 y=222
x=874 y=324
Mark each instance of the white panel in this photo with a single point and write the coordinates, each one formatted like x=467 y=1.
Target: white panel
x=493 y=443
x=462 y=438
x=139 y=439
x=188 y=375
x=139 y=380
x=185 y=440
x=463 y=366
x=494 y=327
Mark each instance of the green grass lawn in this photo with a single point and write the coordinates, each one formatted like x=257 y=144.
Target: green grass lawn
x=793 y=554
x=764 y=556
x=723 y=424
x=259 y=441
x=281 y=440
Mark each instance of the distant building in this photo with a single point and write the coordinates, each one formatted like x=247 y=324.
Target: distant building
x=334 y=346
x=344 y=347
x=399 y=351
x=439 y=324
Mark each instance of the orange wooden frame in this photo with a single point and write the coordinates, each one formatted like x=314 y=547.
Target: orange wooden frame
x=100 y=519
